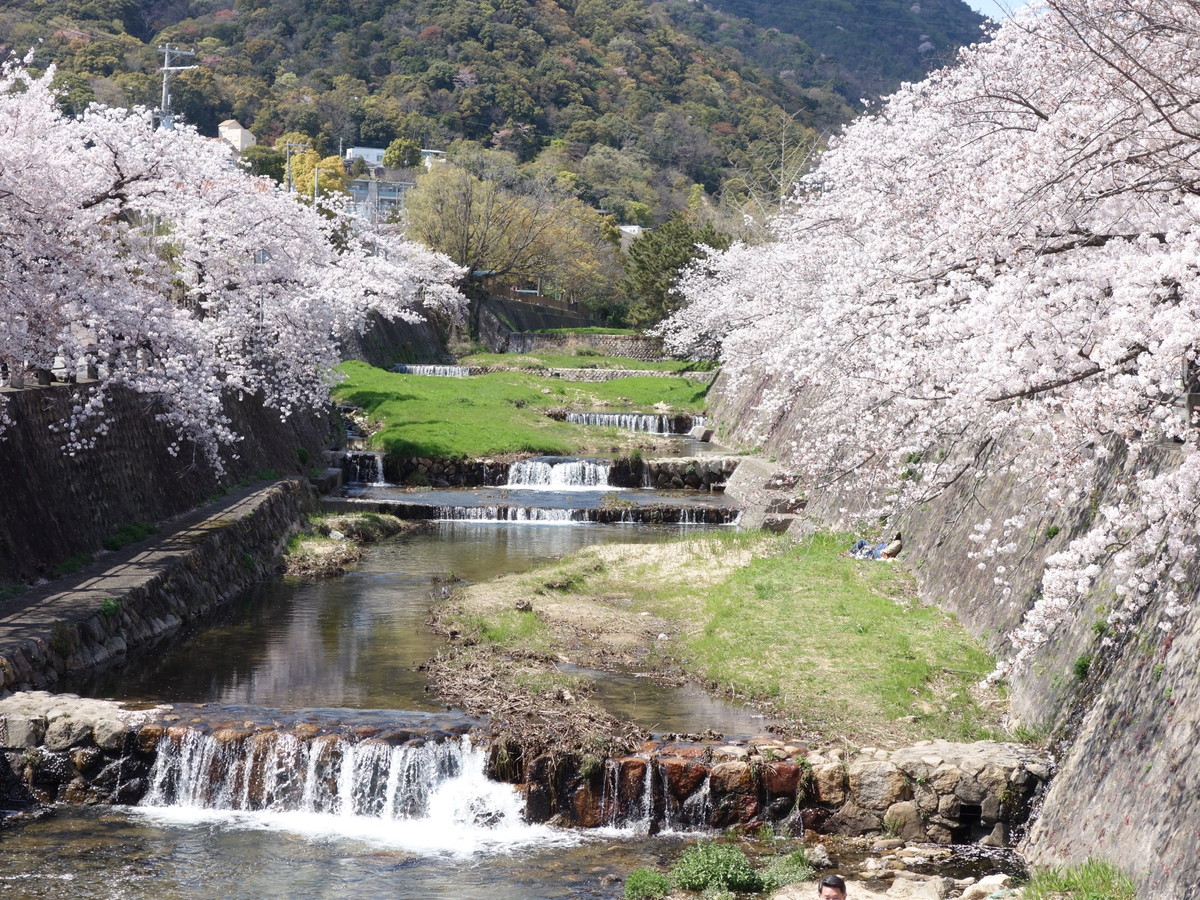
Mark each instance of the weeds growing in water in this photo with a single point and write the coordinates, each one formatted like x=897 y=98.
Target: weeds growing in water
x=646 y=884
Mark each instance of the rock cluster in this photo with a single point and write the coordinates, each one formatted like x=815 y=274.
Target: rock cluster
x=935 y=791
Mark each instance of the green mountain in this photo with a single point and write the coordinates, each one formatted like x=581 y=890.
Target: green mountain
x=634 y=103
x=871 y=44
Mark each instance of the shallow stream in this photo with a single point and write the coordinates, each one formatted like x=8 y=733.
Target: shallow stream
x=354 y=642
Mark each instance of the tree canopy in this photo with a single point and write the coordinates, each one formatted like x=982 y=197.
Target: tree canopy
x=148 y=257
x=996 y=275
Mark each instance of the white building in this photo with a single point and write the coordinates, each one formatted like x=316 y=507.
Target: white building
x=232 y=132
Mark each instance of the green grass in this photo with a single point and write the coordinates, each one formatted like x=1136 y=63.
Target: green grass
x=1092 y=880
x=128 y=534
x=842 y=645
x=512 y=628
x=843 y=640
x=581 y=359
x=493 y=414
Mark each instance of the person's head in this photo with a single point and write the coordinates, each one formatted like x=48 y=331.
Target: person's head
x=832 y=887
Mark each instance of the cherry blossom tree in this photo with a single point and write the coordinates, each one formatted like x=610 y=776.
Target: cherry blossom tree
x=149 y=258
x=994 y=275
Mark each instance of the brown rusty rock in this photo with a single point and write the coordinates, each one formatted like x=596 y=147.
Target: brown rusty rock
x=731 y=778
x=148 y=737
x=586 y=805
x=228 y=736
x=829 y=780
x=682 y=776
x=781 y=778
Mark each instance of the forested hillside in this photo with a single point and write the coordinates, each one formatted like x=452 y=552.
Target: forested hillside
x=639 y=102
x=871 y=44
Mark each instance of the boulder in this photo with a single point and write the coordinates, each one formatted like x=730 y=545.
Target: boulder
x=878 y=784
x=829 y=782
x=904 y=819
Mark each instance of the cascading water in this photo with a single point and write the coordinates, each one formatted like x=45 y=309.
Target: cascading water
x=510 y=514
x=650 y=423
x=363 y=468
x=646 y=805
x=559 y=473
x=430 y=795
x=435 y=371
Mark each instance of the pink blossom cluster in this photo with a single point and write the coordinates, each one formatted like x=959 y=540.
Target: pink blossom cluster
x=150 y=258
x=994 y=275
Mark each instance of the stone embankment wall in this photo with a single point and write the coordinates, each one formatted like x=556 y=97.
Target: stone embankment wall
x=1127 y=783
x=55 y=506
x=934 y=791
x=388 y=342
x=496 y=319
x=629 y=346
x=141 y=594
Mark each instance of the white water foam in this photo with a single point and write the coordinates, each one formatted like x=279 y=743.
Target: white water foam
x=434 y=371
x=560 y=474
x=432 y=799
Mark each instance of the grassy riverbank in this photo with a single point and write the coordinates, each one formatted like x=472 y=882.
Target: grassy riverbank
x=839 y=649
x=500 y=413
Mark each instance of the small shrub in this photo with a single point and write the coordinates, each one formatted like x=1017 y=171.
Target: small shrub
x=722 y=866
x=303 y=456
x=248 y=562
x=109 y=607
x=1082 y=665
x=1051 y=531
x=71 y=564
x=646 y=884
x=128 y=534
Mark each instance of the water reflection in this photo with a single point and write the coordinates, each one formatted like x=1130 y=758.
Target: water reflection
x=353 y=642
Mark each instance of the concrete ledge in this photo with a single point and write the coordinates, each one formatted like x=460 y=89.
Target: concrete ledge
x=136 y=596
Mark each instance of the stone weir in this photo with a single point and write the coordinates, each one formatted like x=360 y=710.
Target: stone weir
x=62 y=748
x=934 y=791
x=705 y=473
x=653 y=514
x=149 y=590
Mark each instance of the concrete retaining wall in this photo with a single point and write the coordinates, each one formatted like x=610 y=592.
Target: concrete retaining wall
x=148 y=591
x=54 y=506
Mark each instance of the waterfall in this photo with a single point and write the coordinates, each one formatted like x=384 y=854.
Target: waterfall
x=559 y=473
x=647 y=805
x=651 y=423
x=510 y=514
x=362 y=467
x=426 y=794
x=436 y=371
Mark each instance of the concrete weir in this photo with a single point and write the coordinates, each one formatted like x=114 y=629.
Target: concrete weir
x=149 y=590
x=385 y=764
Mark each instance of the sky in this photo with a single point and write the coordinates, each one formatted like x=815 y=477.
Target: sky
x=996 y=9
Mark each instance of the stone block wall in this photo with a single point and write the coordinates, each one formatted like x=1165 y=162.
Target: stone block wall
x=139 y=596
x=934 y=791
x=53 y=506
x=629 y=346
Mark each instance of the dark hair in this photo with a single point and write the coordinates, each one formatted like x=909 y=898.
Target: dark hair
x=833 y=881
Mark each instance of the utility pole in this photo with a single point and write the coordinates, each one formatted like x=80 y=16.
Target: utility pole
x=166 y=121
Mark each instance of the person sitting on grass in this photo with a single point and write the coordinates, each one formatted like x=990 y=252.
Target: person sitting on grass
x=864 y=549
